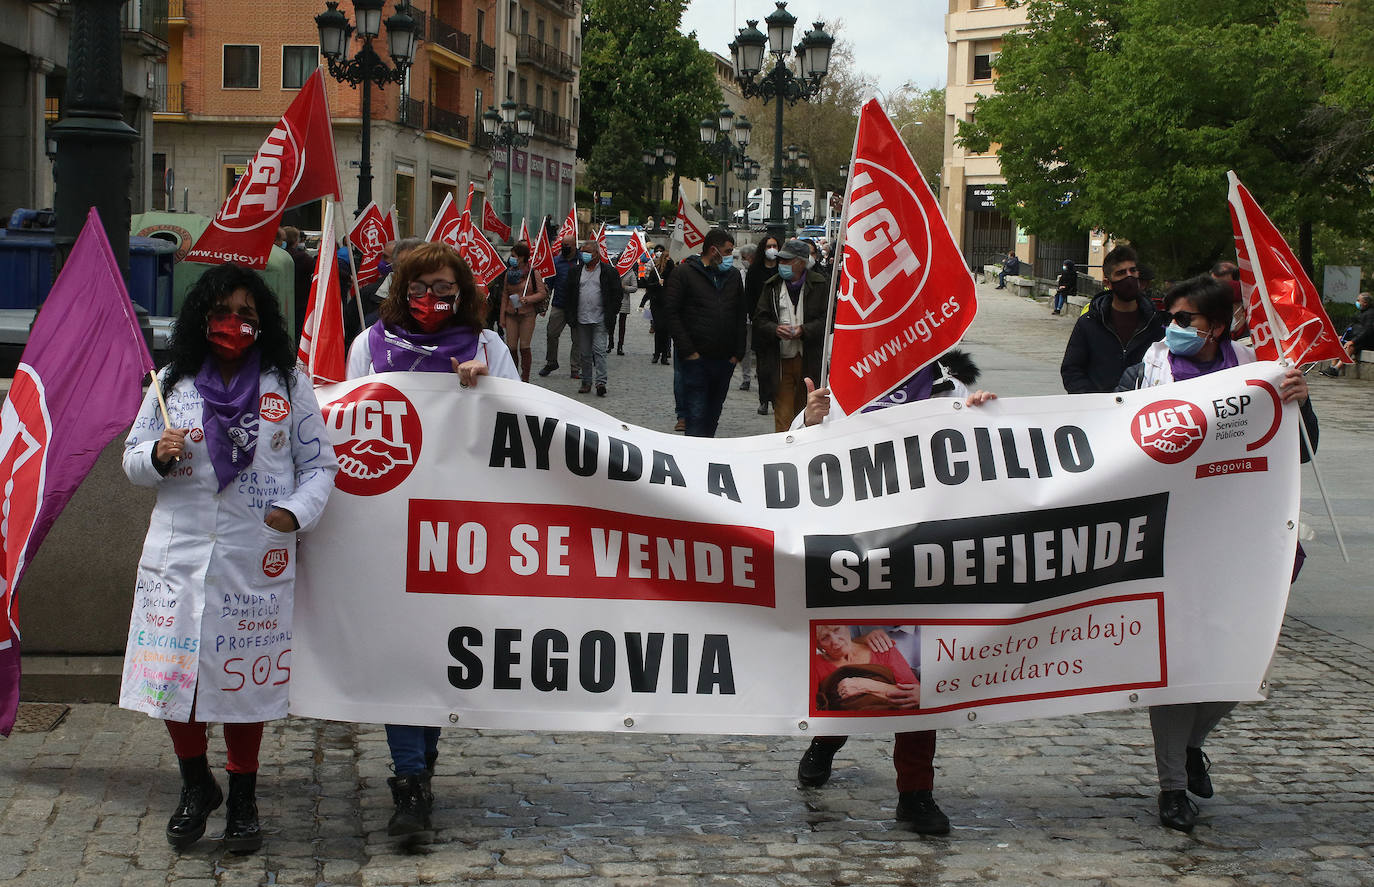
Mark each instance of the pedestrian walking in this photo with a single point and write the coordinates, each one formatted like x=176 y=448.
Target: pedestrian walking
x=525 y=297
x=1114 y=332
x=765 y=265
x=592 y=297
x=704 y=307
x=1065 y=286
x=744 y=260
x=789 y=330
x=1197 y=342
x=558 y=319
x=432 y=321
x=220 y=545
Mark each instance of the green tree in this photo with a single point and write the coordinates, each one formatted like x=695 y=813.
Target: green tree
x=919 y=115
x=1124 y=116
x=642 y=84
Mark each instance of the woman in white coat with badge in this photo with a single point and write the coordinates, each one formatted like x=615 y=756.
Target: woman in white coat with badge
x=432 y=321
x=242 y=464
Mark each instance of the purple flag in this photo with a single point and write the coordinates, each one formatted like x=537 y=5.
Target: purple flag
x=79 y=384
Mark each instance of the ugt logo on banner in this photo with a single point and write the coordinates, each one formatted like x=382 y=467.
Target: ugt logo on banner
x=905 y=295
x=376 y=434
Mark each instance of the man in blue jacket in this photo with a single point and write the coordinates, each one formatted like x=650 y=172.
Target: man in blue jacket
x=1114 y=332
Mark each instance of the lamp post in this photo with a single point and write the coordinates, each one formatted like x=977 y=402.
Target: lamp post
x=656 y=161
x=366 y=67
x=508 y=128
x=716 y=138
x=780 y=83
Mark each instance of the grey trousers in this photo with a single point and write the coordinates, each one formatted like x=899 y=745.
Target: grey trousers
x=1178 y=728
x=557 y=321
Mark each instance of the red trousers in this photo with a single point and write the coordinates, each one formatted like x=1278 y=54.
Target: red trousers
x=913 y=755
x=190 y=740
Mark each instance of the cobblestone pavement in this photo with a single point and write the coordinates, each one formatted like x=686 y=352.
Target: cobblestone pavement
x=1063 y=801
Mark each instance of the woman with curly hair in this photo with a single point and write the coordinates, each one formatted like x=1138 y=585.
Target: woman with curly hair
x=243 y=465
x=432 y=321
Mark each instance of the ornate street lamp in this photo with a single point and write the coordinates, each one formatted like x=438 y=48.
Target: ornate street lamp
x=780 y=83
x=658 y=161
x=716 y=137
x=366 y=67
x=508 y=129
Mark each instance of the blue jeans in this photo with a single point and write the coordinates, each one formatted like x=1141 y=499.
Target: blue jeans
x=705 y=383
x=410 y=747
x=1060 y=298
x=679 y=398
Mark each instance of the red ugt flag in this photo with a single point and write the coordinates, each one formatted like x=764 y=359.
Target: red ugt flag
x=77 y=386
x=295 y=165
x=905 y=294
x=602 y=247
x=569 y=229
x=370 y=234
x=492 y=222
x=321 y=351
x=1282 y=307
x=457 y=231
x=633 y=252
x=541 y=254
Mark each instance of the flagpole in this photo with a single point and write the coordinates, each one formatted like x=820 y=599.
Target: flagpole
x=1280 y=333
x=837 y=260
x=161 y=403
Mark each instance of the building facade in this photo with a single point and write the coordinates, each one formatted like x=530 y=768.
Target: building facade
x=34 y=39
x=232 y=67
x=538 y=57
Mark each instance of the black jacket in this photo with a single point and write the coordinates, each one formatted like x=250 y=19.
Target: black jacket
x=1363 y=331
x=766 y=342
x=1095 y=358
x=612 y=293
x=702 y=317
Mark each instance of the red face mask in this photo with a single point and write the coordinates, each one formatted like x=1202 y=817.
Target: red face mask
x=230 y=336
x=430 y=312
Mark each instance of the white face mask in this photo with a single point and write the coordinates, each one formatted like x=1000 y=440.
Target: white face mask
x=771 y=253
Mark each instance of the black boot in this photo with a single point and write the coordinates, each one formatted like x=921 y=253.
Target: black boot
x=814 y=769
x=200 y=795
x=412 y=798
x=242 y=833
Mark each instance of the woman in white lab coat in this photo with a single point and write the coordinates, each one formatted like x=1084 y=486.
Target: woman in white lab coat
x=432 y=321
x=245 y=464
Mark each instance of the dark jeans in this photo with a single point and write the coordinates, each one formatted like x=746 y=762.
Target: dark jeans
x=409 y=746
x=705 y=383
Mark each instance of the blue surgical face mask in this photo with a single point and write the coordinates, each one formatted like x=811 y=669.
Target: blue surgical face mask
x=1184 y=341
x=784 y=271
x=585 y=257
x=512 y=261
x=727 y=262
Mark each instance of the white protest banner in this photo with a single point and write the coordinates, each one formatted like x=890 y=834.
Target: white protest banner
x=503 y=556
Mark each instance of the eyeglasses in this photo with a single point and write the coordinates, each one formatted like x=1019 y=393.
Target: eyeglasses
x=1183 y=318
x=444 y=289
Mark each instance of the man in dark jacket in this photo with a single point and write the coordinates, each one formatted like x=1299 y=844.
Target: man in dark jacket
x=1114 y=332
x=591 y=300
x=789 y=331
x=558 y=317
x=704 y=308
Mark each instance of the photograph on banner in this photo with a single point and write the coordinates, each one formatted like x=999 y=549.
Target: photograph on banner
x=511 y=558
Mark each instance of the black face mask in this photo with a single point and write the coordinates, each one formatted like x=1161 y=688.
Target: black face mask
x=568 y=252
x=1127 y=289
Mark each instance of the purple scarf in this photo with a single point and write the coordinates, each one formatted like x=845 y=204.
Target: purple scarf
x=402 y=351
x=1185 y=368
x=918 y=387
x=230 y=415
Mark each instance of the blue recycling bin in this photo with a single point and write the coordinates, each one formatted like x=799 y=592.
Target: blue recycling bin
x=25 y=268
x=150 y=274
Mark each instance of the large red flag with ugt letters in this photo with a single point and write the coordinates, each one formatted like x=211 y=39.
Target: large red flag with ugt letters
x=295 y=165
x=905 y=294
x=1282 y=307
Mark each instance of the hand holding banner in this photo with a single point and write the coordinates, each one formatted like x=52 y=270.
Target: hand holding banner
x=905 y=294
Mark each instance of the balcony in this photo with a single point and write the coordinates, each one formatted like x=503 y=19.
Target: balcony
x=145 y=22
x=441 y=33
x=532 y=50
x=551 y=127
x=486 y=56
x=448 y=123
x=411 y=113
x=566 y=7
x=176 y=11
x=168 y=98
x=482 y=141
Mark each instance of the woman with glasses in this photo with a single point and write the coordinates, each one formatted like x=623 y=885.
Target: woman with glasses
x=1197 y=341
x=238 y=471
x=431 y=322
